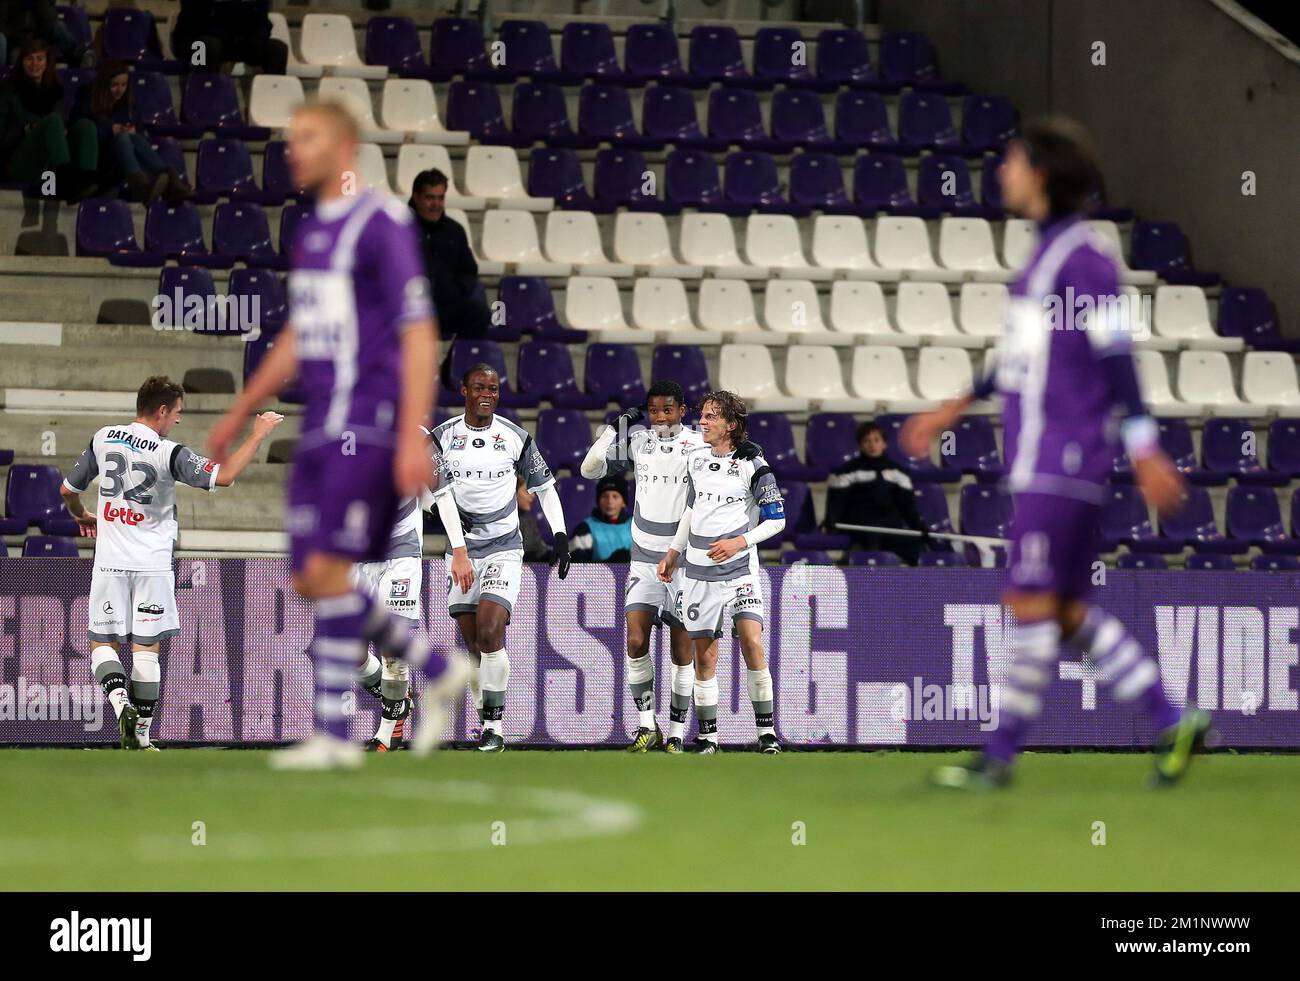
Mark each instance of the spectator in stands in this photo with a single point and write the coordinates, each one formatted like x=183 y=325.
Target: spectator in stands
x=606 y=535
x=448 y=260
x=227 y=31
x=35 y=137
x=125 y=154
x=21 y=20
x=871 y=489
x=535 y=547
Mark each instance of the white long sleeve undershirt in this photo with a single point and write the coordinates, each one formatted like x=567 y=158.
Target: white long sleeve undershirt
x=594 y=464
x=549 y=499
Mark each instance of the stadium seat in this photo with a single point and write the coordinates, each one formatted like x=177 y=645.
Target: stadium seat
x=941 y=560
x=1205 y=377
x=974 y=448
x=1019 y=237
x=772 y=431
x=1194 y=524
x=715 y=54
x=990 y=188
x=781 y=55
x=413 y=158
x=492 y=173
x=277 y=184
x=1159 y=397
x=691 y=181
x=932 y=506
x=328 y=40
x=879 y=375
x=587 y=49
x=668 y=115
x=735 y=118
x=903 y=243
x=32 y=493
x=619 y=180
x=564 y=436
x=372 y=170
x=154 y=110
x=943 y=183
x=225 y=169
x=924 y=120
x=708 y=240
x=1176 y=441
x=813 y=374
x=843 y=58
x=792 y=307
x=241 y=231
x=798 y=120
x=829 y=440
x=410 y=107
x=966 y=244
x=985 y=509
x=267 y=298
x=354 y=93
x=1275 y=563
x=466 y=353
x=839 y=242
x=1125 y=520
x=1284 y=448
x=747 y=370
x=924 y=310
x=605 y=114
x=726 y=307
x=394 y=42
x=861 y=119
x=858 y=309
x=1230 y=448
x=573 y=238
x=1253 y=514
x=943 y=372
x=211 y=103
x=1248 y=313
x=273 y=98
x=613 y=374
x=511 y=237
x=1209 y=562
x=642 y=241
x=175 y=309
x=774 y=241
x=475 y=108
x=556 y=173
x=529 y=308
x=295 y=66
x=650 y=52
x=1160 y=247
x=907 y=58
x=659 y=305
x=457 y=47
x=982 y=309
x=130 y=34
x=175 y=231
x=1141 y=561
x=105 y=228
x=800 y=515
x=577 y=497
x=49 y=546
x=526 y=45
x=538 y=113
x=1182 y=314
x=880 y=184
x=592 y=303
x=683 y=364
x=290 y=217
x=886 y=559
x=1268 y=378
x=987 y=121
x=816 y=181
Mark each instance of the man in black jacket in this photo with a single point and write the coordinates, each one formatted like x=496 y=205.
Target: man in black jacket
x=228 y=30
x=871 y=489
x=448 y=260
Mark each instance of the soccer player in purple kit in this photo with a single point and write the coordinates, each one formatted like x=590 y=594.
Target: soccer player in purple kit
x=1064 y=365
x=362 y=342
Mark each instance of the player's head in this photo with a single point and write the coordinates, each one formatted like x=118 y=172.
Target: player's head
x=429 y=194
x=322 y=147
x=871 y=439
x=665 y=406
x=158 y=404
x=724 y=419
x=1050 y=169
x=481 y=386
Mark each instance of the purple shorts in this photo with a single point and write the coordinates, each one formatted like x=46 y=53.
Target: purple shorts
x=341 y=504
x=1053 y=545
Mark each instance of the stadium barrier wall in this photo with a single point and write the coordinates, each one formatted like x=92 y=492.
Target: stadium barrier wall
x=859 y=657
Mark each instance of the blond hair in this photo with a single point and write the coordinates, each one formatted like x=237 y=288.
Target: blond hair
x=336 y=112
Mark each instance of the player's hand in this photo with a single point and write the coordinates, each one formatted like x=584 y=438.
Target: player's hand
x=86 y=524
x=664 y=570
x=222 y=434
x=921 y=430
x=1160 y=482
x=265 y=422
x=462 y=570
x=725 y=548
x=412 y=465
x=747 y=450
x=629 y=419
x=562 y=558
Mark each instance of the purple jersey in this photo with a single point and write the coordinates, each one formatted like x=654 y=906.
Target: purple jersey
x=357 y=281
x=1060 y=433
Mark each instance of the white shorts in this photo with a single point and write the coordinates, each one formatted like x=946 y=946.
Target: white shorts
x=496 y=578
x=139 y=607
x=395 y=583
x=705 y=606
x=644 y=591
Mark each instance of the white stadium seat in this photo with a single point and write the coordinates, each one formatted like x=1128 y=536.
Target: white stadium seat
x=371 y=167
x=1108 y=234
x=1153 y=375
x=904 y=244
x=726 y=306
x=280 y=31
x=747 y=370
x=858 y=309
x=1181 y=314
x=641 y=240
x=1269 y=378
x=413 y=158
x=708 y=240
x=773 y=241
x=943 y=372
x=839 y=243
x=879 y=376
x=328 y=40
x=492 y=172
x=924 y=310
x=486 y=267
x=511 y=237
x=272 y=100
x=593 y=303
x=1018 y=240
x=982 y=309
x=813 y=372
x=966 y=244
x=791 y=307
x=573 y=237
x=659 y=304
x=1205 y=377
x=410 y=107
x=354 y=93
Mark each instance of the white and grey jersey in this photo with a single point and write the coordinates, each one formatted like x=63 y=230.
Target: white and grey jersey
x=659 y=466
x=479 y=468
x=407 y=539
x=727 y=497
x=136 y=508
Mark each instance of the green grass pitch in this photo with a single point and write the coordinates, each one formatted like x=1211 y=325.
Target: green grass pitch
x=101 y=820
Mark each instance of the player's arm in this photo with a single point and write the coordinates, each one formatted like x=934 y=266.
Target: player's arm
x=549 y=498
x=771 y=515
x=668 y=564
x=611 y=446
x=413 y=468
x=277 y=369
x=75 y=484
x=921 y=430
x=242 y=457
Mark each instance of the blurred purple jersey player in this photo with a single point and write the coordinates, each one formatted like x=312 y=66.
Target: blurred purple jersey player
x=362 y=343
x=1064 y=366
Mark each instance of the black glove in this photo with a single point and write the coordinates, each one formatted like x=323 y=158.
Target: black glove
x=629 y=419
x=466 y=523
x=562 y=558
x=747 y=450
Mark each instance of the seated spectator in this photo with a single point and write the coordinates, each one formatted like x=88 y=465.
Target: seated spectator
x=21 y=20
x=605 y=536
x=36 y=139
x=210 y=33
x=448 y=260
x=535 y=547
x=124 y=154
x=871 y=489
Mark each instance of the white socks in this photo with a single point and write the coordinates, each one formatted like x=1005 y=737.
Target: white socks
x=494 y=673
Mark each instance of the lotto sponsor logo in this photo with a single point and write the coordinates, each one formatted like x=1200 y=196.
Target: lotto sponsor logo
x=122 y=515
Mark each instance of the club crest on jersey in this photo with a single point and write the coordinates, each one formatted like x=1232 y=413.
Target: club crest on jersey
x=400 y=588
x=733 y=469
x=499 y=443
x=457 y=443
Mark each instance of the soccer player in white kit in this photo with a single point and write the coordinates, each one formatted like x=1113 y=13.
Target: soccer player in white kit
x=482 y=456
x=658 y=458
x=133 y=587
x=731 y=506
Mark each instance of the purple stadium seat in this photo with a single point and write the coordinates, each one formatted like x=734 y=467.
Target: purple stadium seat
x=605 y=114
x=130 y=34
x=1161 y=247
x=800 y=516
x=932 y=505
x=1275 y=563
x=587 y=49
x=465 y=353
x=225 y=169
x=942 y=560
x=457 y=48
x=907 y=58
x=176 y=231
x=1141 y=561
x=1176 y=441
x=49 y=546
x=920 y=467
x=291 y=215
x=985 y=510
x=684 y=364
x=817 y=181
x=924 y=119
x=476 y=108
x=240 y=230
x=1284 y=447
x=1248 y=313
x=691 y=181
x=1126 y=521
x=105 y=228
x=798 y=120
x=530 y=309
x=76 y=87
x=715 y=54
x=563 y=436
x=32 y=495
x=829 y=439
x=975 y=448
x=750 y=181
x=1223 y=449
x=613 y=374
x=395 y=42
x=262 y=294
x=174 y=157
x=6 y=457
x=935 y=173
x=577 y=496
x=211 y=103
x=154 y=109
x=1194 y=525
x=254 y=351
x=539 y=114
x=178 y=285
x=557 y=173
x=528 y=50
x=1209 y=562
x=736 y=119
x=990 y=186
x=546 y=372
x=277 y=185
x=771 y=430
x=880 y=184
x=77 y=22
x=806 y=556
x=888 y=559
x=668 y=115
x=619 y=182
x=651 y=53
x=781 y=55
x=1253 y=514
x=844 y=59
x=861 y=118
x=987 y=121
